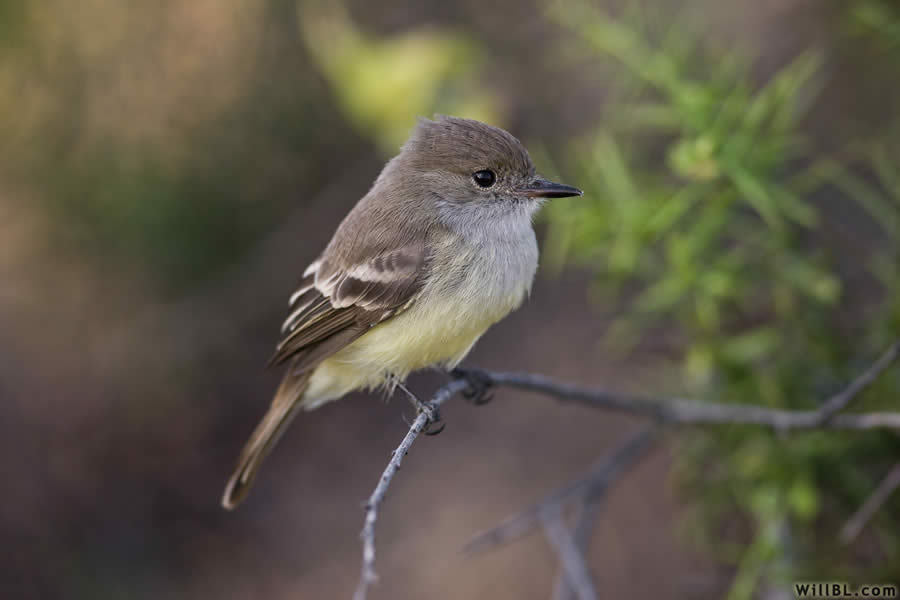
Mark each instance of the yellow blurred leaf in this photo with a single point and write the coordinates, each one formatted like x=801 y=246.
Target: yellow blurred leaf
x=383 y=84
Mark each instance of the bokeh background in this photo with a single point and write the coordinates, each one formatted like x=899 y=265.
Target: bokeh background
x=167 y=169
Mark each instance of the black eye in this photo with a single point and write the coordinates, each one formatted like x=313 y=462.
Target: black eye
x=484 y=178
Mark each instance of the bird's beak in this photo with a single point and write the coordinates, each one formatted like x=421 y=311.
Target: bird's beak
x=541 y=188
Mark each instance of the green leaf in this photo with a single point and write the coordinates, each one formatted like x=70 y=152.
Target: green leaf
x=756 y=194
x=752 y=345
x=803 y=499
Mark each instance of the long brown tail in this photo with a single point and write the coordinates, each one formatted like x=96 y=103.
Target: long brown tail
x=284 y=406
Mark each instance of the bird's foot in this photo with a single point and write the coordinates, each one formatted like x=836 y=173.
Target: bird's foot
x=434 y=425
x=479 y=391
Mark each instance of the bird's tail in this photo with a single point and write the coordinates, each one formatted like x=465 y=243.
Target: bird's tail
x=287 y=400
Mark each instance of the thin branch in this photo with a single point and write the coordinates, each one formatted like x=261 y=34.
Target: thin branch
x=594 y=483
x=839 y=402
x=428 y=414
x=591 y=487
x=582 y=531
x=571 y=558
x=685 y=411
x=854 y=526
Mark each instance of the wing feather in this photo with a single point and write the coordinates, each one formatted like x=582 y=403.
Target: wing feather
x=335 y=304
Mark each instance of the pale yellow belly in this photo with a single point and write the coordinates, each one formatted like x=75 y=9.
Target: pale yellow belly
x=439 y=332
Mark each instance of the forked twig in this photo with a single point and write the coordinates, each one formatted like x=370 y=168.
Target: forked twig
x=428 y=412
x=571 y=558
x=582 y=532
x=589 y=489
x=594 y=483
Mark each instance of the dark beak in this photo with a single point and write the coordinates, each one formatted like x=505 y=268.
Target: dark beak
x=541 y=188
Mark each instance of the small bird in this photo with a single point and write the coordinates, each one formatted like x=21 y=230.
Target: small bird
x=439 y=249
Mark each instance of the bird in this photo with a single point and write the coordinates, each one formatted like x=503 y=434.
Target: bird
x=440 y=248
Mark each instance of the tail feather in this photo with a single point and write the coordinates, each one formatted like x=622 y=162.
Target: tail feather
x=284 y=406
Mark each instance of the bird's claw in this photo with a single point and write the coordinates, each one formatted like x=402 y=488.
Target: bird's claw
x=479 y=390
x=434 y=425
x=434 y=428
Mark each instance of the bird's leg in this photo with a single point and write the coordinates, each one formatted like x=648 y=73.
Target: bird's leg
x=434 y=425
x=479 y=385
x=396 y=383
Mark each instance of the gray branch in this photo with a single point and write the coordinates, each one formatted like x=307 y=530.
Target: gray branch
x=861 y=517
x=571 y=546
x=571 y=557
x=591 y=485
x=428 y=414
x=684 y=411
x=582 y=531
x=839 y=402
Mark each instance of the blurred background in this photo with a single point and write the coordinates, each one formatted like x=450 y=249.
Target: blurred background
x=167 y=169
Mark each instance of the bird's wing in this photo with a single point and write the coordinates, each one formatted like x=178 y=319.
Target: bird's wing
x=339 y=300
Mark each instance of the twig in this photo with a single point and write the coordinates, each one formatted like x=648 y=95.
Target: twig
x=571 y=558
x=427 y=414
x=592 y=486
x=854 y=526
x=681 y=410
x=593 y=483
x=840 y=401
x=582 y=532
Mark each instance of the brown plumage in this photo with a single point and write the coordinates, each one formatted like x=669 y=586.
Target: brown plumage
x=344 y=294
x=335 y=308
x=377 y=276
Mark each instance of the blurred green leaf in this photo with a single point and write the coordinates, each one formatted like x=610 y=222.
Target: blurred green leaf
x=750 y=346
x=803 y=499
x=381 y=83
x=713 y=232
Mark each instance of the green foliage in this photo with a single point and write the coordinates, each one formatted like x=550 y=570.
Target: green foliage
x=183 y=221
x=879 y=19
x=13 y=17
x=155 y=173
x=381 y=82
x=702 y=217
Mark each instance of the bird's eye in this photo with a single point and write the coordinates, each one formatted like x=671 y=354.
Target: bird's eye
x=485 y=178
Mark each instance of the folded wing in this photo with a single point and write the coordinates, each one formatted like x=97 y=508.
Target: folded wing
x=337 y=303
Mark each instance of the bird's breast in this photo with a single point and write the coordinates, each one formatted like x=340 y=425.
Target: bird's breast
x=470 y=287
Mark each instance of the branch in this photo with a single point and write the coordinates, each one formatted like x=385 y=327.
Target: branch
x=582 y=532
x=592 y=484
x=587 y=511
x=685 y=411
x=591 y=487
x=840 y=401
x=570 y=555
x=428 y=414
x=861 y=517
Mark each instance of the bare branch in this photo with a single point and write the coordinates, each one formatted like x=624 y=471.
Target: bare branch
x=428 y=412
x=571 y=558
x=594 y=483
x=582 y=532
x=685 y=411
x=839 y=402
x=854 y=526
x=572 y=546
